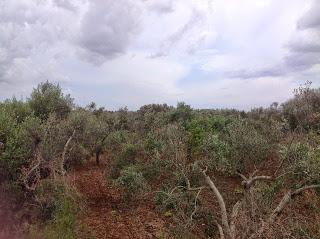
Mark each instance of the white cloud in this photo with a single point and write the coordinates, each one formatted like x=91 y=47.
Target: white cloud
x=29 y=30
x=239 y=93
x=107 y=28
x=133 y=52
x=130 y=80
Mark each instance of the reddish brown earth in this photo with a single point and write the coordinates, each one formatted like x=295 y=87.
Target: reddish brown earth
x=106 y=214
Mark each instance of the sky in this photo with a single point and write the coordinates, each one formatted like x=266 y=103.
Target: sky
x=208 y=53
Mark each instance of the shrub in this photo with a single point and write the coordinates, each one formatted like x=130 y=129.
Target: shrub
x=182 y=113
x=59 y=207
x=17 y=139
x=152 y=143
x=216 y=153
x=303 y=161
x=132 y=180
x=246 y=145
x=47 y=99
x=116 y=138
x=18 y=110
x=152 y=168
x=303 y=109
x=125 y=158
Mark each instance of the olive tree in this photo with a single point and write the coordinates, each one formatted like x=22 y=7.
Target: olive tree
x=303 y=110
x=92 y=130
x=296 y=172
x=48 y=98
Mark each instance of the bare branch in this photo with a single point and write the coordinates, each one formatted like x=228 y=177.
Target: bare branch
x=283 y=160
x=261 y=178
x=286 y=200
x=234 y=214
x=281 y=206
x=300 y=190
x=220 y=231
x=242 y=176
x=222 y=205
x=249 y=182
x=63 y=158
x=196 y=203
x=254 y=173
x=35 y=169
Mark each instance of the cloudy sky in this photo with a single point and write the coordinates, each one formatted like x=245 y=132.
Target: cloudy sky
x=208 y=53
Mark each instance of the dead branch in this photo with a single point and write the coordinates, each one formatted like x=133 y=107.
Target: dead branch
x=196 y=203
x=34 y=170
x=286 y=200
x=222 y=205
x=65 y=149
x=234 y=214
x=281 y=206
x=247 y=183
x=220 y=231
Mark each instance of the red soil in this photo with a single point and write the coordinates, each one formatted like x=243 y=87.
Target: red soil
x=106 y=215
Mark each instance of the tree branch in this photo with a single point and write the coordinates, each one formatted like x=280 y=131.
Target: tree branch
x=234 y=214
x=249 y=182
x=281 y=206
x=220 y=231
x=27 y=173
x=196 y=203
x=222 y=205
x=63 y=158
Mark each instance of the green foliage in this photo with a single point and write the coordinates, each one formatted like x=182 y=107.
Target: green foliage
x=60 y=205
x=122 y=119
x=125 y=158
x=129 y=151
x=18 y=110
x=303 y=110
x=202 y=126
x=166 y=201
x=47 y=99
x=132 y=180
x=182 y=114
x=57 y=132
x=95 y=133
x=16 y=135
x=266 y=194
x=295 y=152
x=303 y=161
x=217 y=153
x=154 y=167
x=246 y=145
x=152 y=117
x=116 y=138
x=152 y=143
x=158 y=145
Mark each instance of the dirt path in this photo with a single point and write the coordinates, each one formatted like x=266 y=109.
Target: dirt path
x=106 y=215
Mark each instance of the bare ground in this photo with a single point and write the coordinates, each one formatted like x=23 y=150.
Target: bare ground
x=106 y=215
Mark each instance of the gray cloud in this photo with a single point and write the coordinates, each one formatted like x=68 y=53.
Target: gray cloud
x=55 y=40
x=182 y=34
x=302 y=60
x=312 y=18
x=249 y=74
x=303 y=49
x=66 y=4
x=311 y=45
x=161 y=7
x=108 y=27
x=29 y=31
